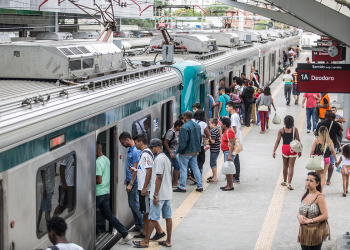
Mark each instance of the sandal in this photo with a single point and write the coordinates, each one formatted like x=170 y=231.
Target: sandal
x=211 y=181
x=209 y=178
x=162 y=243
x=261 y=132
x=290 y=187
x=328 y=183
x=137 y=244
x=284 y=184
x=230 y=189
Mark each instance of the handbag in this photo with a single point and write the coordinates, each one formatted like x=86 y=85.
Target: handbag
x=276 y=119
x=296 y=145
x=228 y=168
x=315 y=233
x=238 y=145
x=316 y=162
x=263 y=108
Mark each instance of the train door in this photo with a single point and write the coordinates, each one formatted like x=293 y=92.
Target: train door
x=106 y=138
x=167 y=117
x=263 y=70
x=212 y=93
x=2 y=216
x=202 y=95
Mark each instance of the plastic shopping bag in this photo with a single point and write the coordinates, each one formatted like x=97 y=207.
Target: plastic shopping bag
x=228 y=168
x=276 y=119
x=338 y=168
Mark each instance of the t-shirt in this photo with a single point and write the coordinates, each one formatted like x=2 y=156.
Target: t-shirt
x=69 y=170
x=173 y=139
x=338 y=117
x=239 y=89
x=224 y=99
x=311 y=100
x=224 y=140
x=215 y=147
x=308 y=61
x=236 y=121
x=49 y=179
x=103 y=169
x=290 y=54
x=203 y=126
x=324 y=101
x=333 y=134
x=288 y=79
x=133 y=156
x=210 y=109
x=67 y=246
x=162 y=165
x=295 y=80
x=145 y=162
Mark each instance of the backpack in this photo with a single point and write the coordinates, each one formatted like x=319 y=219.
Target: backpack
x=163 y=137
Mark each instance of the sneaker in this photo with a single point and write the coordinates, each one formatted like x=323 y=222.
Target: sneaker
x=125 y=240
x=199 y=189
x=237 y=181
x=257 y=124
x=157 y=236
x=180 y=190
x=234 y=180
x=308 y=131
x=114 y=232
x=140 y=236
x=135 y=229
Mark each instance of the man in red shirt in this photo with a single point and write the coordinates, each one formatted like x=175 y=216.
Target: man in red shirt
x=308 y=60
x=310 y=99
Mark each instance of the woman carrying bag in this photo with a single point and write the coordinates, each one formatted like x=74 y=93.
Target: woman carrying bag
x=323 y=145
x=228 y=146
x=313 y=215
x=264 y=102
x=288 y=133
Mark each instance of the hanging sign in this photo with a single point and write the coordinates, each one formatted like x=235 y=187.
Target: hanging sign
x=322 y=56
x=323 y=78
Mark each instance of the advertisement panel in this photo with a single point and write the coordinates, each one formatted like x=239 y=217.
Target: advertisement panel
x=319 y=78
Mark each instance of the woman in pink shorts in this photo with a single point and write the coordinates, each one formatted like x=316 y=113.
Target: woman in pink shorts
x=323 y=143
x=288 y=155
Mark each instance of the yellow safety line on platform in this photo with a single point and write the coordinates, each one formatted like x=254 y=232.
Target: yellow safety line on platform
x=268 y=230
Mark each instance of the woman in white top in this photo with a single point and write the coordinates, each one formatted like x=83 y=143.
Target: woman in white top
x=199 y=118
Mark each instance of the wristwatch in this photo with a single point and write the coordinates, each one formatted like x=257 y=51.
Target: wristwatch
x=155 y=197
x=132 y=184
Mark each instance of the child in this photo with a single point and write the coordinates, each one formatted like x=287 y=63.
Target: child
x=345 y=167
x=214 y=149
x=260 y=90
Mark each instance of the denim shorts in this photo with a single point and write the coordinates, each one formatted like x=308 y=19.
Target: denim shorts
x=46 y=204
x=175 y=161
x=226 y=154
x=332 y=160
x=213 y=159
x=163 y=206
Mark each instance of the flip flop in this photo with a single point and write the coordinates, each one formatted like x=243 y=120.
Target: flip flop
x=209 y=178
x=163 y=244
x=138 y=245
x=230 y=189
x=283 y=184
x=290 y=187
x=211 y=181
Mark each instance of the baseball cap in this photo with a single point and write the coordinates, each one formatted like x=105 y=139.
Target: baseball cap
x=155 y=142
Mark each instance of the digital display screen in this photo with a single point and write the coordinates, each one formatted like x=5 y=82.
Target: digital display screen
x=57 y=141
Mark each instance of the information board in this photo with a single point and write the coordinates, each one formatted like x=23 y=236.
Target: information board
x=322 y=56
x=320 y=78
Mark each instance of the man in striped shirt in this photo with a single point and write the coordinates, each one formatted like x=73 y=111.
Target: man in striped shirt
x=66 y=186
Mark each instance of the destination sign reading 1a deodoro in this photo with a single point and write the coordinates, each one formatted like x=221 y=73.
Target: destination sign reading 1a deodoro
x=319 y=78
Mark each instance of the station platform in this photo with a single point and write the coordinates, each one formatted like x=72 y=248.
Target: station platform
x=259 y=213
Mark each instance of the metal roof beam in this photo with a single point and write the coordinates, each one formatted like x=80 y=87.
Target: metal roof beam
x=326 y=20
x=275 y=15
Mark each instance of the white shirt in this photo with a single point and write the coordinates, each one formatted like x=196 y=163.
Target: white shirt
x=67 y=246
x=290 y=52
x=239 y=89
x=345 y=161
x=145 y=162
x=203 y=125
x=236 y=122
x=69 y=171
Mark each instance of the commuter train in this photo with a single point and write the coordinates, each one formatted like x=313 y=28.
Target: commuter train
x=58 y=99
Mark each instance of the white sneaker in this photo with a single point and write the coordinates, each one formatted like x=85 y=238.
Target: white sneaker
x=114 y=232
x=125 y=240
x=308 y=131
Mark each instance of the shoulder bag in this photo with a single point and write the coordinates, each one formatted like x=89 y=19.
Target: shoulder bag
x=263 y=108
x=316 y=162
x=238 y=145
x=315 y=233
x=296 y=145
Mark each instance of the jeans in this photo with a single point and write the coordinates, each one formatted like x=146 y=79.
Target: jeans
x=248 y=113
x=213 y=159
x=238 y=167
x=133 y=200
x=102 y=202
x=291 y=61
x=226 y=154
x=311 y=113
x=263 y=117
x=257 y=118
x=174 y=161
x=287 y=91
x=242 y=110
x=184 y=160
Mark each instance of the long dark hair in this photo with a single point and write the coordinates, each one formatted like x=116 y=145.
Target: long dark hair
x=317 y=179
x=199 y=115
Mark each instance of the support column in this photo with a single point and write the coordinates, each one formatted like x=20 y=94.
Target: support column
x=52 y=19
x=346 y=104
x=56 y=21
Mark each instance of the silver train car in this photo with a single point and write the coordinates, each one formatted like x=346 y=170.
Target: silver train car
x=44 y=124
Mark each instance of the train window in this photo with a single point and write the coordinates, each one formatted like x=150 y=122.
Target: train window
x=55 y=196
x=75 y=65
x=238 y=73
x=2 y=216
x=142 y=126
x=230 y=78
x=212 y=88
x=254 y=63
x=244 y=69
x=167 y=117
x=88 y=63
x=273 y=60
